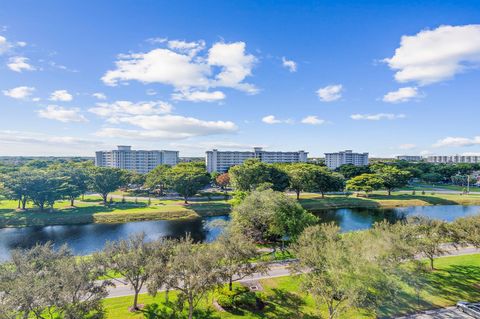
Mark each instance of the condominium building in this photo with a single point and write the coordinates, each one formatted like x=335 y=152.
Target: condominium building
x=409 y=158
x=139 y=161
x=221 y=161
x=453 y=159
x=334 y=160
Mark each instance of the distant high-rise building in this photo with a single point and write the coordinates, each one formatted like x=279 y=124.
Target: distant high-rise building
x=221 y=161
x=409 y=158
x=334 y=160
x=139 y=161
x=453 y=159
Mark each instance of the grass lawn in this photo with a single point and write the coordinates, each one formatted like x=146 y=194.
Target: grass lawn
x=456 y=278
x=90 y=210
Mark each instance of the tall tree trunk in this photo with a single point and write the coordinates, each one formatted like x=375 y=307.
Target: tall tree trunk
x=185 y=199
x=104 y=196
x=298 y=194
x=389 y=192
x=135 y=299
x=72 y=201
x=431 y=264
x=24 y=202
x=323 y=195
x=19 y=201
x=190 y=307
x=230 y=284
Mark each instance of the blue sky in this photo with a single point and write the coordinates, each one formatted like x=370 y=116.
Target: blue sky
x=385 y=77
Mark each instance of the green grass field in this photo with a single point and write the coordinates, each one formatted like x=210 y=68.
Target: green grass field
x=456 y=278
x=91 y=210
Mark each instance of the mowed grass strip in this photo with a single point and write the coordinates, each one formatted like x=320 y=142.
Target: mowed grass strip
x=456 y=278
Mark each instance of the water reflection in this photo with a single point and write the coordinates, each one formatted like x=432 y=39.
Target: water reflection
x=85 y=239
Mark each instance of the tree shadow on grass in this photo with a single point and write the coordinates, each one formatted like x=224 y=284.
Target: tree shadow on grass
x=284 y=304
x=154 y=311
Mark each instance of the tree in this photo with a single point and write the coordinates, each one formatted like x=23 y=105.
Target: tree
x=350 y=170
x=188 y=178
x=365 y=182
x=130 y=258
x=236 y=253
x=194 y=270
x=466 y=230
x=343 y=271
x=253 y=173
x=431 y=178
x=158 y=178
x=301 y=176
x=16 y=186
x=105 y=180
x=76 y=182
x=430 y=237
x=223 y=181
x=393 y=178
x=45 y=187
x=268 y=216
x=43 y=281
x=326 y=181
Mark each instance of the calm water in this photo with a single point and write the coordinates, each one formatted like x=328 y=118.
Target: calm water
x=85 y=239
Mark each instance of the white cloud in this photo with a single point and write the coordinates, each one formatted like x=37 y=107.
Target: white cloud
x=62 y=114
x=312 y=120
x=36 y=138
x=151 y=92
x=436 y=55
x=181 y=66
x=404 y=94
x=61 y=95
x=199 y=96
x=471 y=154
x=377 y=117
x=19 y=64
x=4 y=45
x=118 y=109
x=168 y=127
x=457 y=142
x=330 y=93
x=208 y=145
x=21 y=92
x=425 y=152
x=407 y=146
x=289 y=64
x=271 y=119
x=99 y=95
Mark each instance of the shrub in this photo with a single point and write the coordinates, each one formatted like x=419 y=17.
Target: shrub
x=226 y=302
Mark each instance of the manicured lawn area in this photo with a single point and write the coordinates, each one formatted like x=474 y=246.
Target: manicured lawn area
x=91 y=210
x=456 y=278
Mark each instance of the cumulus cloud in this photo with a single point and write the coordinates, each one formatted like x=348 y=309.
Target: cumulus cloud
x=404 y=94
x=271 y=119
x=19 y=64
x=199 y=96
x=330 y=93
x=62 y=114
x=4 y=45
x=289 y=64
x=61 y=95
x=99 y=95
x=168 y=127
x=436 y=55
x=187 y=67
x=20 y=93
x=36 y=138
x=312 y=120
x=457 y=142
x=112 y=111
x=377 y=117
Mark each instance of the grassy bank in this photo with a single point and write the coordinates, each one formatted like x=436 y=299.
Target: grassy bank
x=91 y=210
x=456 y=278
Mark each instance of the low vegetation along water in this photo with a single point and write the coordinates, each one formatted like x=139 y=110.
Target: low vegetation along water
x=87 y=238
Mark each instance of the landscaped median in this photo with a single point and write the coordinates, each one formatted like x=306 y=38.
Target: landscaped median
x=91 y=210
x=456 y=278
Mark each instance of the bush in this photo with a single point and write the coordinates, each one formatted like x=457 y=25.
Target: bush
x=240 y=297
x=226 y=302
x=423 y=192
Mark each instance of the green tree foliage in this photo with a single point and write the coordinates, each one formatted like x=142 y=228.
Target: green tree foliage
x=45 y=187
x=76 y=181
x=105 y=180
x=157 y=179
x=350 y=170
x=466 y=230
x=130 y=258
x=345 y=272
x=301 y=177
x=46 y=283
x=267 y=216
x=431 y=178
x=393 y=178
x=16 y=185
x=188 y=178
x=326 y=181
x=237 y=253
x=365 y=183
x=254 y=173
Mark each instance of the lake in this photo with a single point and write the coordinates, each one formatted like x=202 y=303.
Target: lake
x=88 y=238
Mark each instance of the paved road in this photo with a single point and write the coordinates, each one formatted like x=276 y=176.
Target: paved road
x=277 y=269
x=444 y=313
